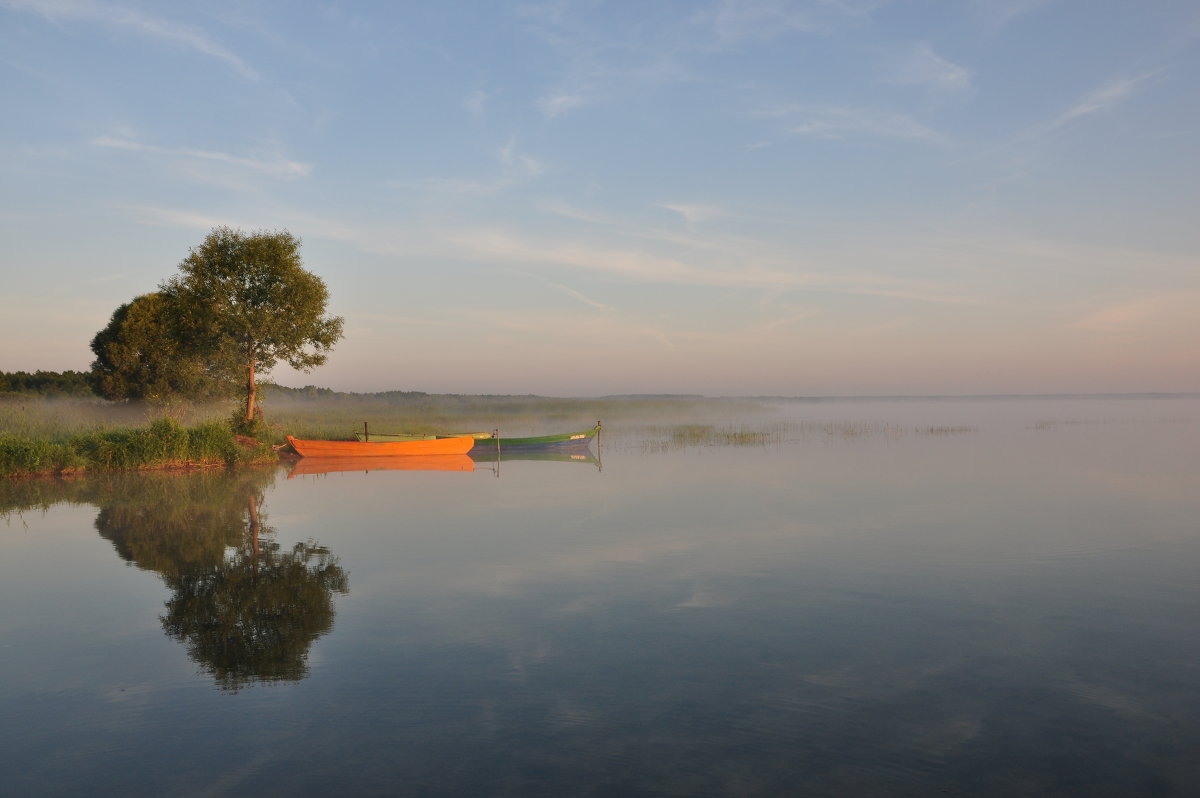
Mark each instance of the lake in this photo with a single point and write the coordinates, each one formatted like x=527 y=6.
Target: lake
x=882 y=598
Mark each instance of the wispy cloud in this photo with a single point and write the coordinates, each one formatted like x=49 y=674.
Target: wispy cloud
x=604 y=57
x=277 y=168
x=999 y=13
x=474 y=103
x=515 y=168
x=571 y=292
x=491 y=245
x=567 y=211
x=1098 y=100
x=115 y=16
x=303 y=224
x=174 y=217
x=518 y=164
x=693 y=215
x=557 y=104
x=738 y=20
x=839 y=122
x=1101 y=99
x=921 y=66
x=1151 y=315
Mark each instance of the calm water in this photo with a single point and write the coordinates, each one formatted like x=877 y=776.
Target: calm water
x=908 y=598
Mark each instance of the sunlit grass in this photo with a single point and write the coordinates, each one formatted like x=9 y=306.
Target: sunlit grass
x=58 y=419
x=162 y=443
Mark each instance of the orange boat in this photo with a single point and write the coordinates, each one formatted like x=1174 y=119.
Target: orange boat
x=404 y=462
x=459 y=445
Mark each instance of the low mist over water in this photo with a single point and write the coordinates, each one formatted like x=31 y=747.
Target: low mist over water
x=921 y=597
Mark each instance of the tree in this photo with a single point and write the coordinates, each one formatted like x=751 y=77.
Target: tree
x=137 y=358
x=245 y=302
x=247 y=608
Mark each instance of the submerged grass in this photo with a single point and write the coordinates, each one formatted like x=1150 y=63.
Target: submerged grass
x=677 y=436
x=946 y=430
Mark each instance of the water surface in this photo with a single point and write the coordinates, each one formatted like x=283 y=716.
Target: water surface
x=873 y=598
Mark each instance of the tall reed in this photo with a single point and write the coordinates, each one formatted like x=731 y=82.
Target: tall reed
x=164 y=443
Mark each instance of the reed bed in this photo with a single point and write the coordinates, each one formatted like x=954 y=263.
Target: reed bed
x=164 y=443
x=946 y=430
x=678 y=436
x=512 y=416
x=60 y=418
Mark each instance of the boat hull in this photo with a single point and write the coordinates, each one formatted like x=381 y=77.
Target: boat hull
x=570 y=441
x=308 y=448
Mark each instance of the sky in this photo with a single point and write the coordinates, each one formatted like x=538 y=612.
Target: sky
x=586 y=198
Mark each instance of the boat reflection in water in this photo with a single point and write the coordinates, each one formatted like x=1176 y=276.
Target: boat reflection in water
x=429 y=462
x=493 y=456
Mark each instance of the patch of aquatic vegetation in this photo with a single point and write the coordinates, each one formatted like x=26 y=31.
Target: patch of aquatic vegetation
x=847 y=429
x=950 y=430
x=683 y=435
x=1049 y=424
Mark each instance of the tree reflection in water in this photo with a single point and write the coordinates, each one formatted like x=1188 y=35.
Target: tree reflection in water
x=253 y=615
x=246 y=608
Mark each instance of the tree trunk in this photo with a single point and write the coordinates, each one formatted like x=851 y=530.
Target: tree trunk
x=250 y=391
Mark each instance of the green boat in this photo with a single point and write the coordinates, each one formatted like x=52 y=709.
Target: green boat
x=567 y=441
x=490 y=442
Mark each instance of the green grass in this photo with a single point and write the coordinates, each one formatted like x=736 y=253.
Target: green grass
x=164 y=443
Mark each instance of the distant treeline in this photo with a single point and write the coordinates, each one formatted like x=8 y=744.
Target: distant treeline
x=79 y=384
x=46 y=383
x=408 y=398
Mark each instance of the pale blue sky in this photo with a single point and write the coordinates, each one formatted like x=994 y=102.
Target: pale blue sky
x=584 y=198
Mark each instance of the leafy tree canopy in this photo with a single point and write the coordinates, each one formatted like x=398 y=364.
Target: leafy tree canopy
x=137 y=358
x=245 y=302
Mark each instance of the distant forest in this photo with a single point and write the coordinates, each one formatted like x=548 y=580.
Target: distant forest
x=79 y=384
x=46 y=383
x=411 y=398
x=50 y=384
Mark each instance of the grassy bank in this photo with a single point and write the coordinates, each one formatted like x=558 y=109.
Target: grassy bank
x=164 y=443
x=66 y=435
